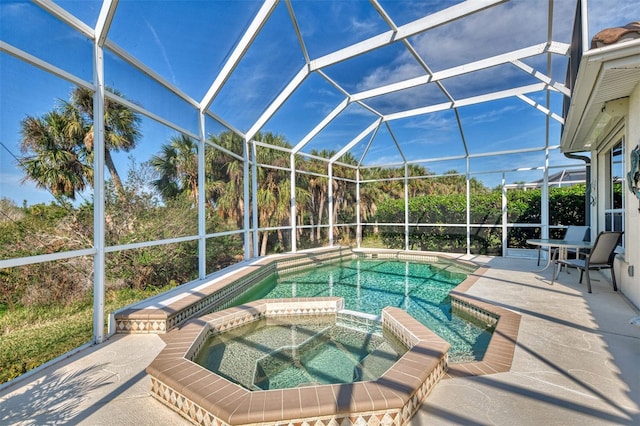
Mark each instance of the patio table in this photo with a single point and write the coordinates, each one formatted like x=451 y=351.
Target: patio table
x=562 y=245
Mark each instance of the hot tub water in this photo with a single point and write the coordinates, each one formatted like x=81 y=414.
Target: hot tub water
x=299 y=351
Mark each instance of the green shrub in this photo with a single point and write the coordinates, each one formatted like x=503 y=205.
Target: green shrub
x=566 y=207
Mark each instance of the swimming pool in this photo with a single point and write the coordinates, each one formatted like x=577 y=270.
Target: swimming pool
x=224 y=303
x=420 y=289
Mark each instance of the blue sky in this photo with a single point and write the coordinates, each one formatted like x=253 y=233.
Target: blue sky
x=188 y=42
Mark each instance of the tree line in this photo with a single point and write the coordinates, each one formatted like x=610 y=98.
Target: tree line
x=58 y=155
x=159 y=196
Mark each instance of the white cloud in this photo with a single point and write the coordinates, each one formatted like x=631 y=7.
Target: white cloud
x=373 y=160
x=398 y=70
x=162 y=50
x=432 y=122
x=15 y=10
x=9 y=179
x=499 y=29
x=367 y=26
x=492 y=115
x=506 y=27
x=318 y=106
x=12 y=187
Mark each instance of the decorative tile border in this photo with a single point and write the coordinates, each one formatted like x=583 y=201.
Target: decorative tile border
x=505 y=323
x=359 y=320
x=448 y=267
x=298 y=262
x=206 y=398
x=465 y=308
x=374 y=397
x=397 y=255
x=221 y=293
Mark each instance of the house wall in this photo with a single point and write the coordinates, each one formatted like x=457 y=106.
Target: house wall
x=628 y=281
x=630 y=285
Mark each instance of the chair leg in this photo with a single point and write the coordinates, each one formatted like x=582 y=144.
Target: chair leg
x=588 y=282
x=582 y=273
x=553 y=272
x=613 y=279
x=539 y=251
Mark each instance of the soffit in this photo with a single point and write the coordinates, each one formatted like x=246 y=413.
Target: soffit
x=606 y=74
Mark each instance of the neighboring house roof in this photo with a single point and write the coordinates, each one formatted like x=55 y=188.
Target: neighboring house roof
x=564 y=178
x=607 y=75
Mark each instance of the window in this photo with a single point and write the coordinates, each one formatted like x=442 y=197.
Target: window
x=614 y=203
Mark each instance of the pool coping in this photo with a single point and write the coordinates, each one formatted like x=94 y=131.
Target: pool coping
x=207 y=398
x=164 y=312
x=498 y=357
x=161 y=314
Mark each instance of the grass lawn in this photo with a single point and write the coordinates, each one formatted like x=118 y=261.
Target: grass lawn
x=29 y=337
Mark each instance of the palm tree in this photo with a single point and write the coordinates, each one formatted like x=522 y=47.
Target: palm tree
x=177 y=166
x=371 y=194
x=416 y=187
x=57 y=162
x=225 y=177
x=274 y=188
x=344 y=198
x=319 y=190
x=121 y=126
x=58 y=147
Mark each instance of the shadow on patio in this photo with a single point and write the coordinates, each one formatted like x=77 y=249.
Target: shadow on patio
x=575 y=359
x=575 y=363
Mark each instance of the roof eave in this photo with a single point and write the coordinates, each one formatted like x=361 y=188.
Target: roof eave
x=586 y=113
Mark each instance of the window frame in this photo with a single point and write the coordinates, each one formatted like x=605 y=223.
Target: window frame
x=613 y=208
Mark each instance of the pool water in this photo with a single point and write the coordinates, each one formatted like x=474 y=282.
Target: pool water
x=273 y=354
x=368 y=286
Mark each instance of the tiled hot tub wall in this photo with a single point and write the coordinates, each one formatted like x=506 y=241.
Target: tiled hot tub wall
x=208 y=399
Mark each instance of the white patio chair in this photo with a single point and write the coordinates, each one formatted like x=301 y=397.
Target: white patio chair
x=572 y=233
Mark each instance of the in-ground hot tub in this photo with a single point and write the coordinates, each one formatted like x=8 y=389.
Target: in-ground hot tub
x=281 y=353
x=387 y=397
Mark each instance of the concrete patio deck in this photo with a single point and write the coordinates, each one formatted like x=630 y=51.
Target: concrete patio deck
x=577 y=361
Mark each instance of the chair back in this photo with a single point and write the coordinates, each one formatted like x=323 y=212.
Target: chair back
x=576 y=233
x=603 y=250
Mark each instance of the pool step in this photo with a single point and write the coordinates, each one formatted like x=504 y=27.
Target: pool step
x=284 y=357
x=376 y=363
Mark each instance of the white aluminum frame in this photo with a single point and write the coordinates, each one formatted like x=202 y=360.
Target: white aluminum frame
x=251 y=229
